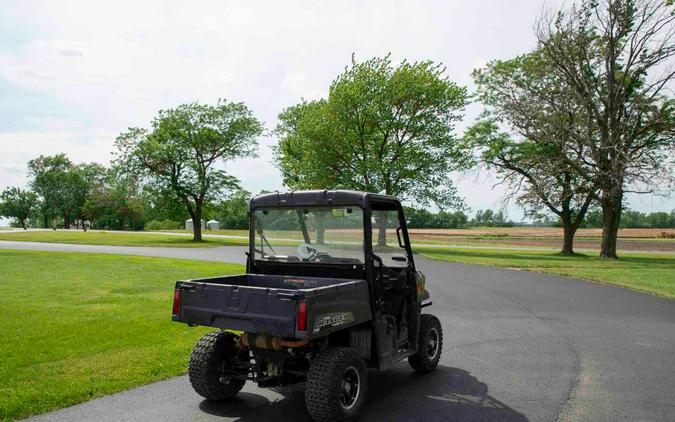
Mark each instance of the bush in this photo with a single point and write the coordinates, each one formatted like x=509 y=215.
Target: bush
x=162 y=225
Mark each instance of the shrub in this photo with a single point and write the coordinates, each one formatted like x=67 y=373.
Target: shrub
x=162 y=225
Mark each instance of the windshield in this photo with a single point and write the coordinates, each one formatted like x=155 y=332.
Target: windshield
x=320 y=235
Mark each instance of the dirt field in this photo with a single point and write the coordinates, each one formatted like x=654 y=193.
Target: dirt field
x=629 y=239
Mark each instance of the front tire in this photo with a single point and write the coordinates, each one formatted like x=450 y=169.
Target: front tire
x=429 y=345
x=206 y=363
x=336 y=386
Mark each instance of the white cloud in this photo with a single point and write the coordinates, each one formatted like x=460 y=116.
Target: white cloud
x=63 y=48
x=17 y=148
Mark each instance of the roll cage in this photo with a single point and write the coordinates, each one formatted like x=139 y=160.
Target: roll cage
x=368 y=202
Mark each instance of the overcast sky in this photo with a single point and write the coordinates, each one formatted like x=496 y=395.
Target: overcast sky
x=74 y=74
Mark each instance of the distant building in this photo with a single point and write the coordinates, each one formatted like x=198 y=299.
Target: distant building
x=189 y=226
x=213 y=225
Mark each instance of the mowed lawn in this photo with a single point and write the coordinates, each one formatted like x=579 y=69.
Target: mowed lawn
x=76 y=326
x=647 y=273
x=118 y=239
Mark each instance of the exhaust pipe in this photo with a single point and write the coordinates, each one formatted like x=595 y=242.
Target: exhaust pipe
x=262 y=341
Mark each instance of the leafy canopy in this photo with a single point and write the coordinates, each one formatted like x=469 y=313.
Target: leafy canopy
x=383 y=128
x=179 y=154
x=531 y=134
x=17 y=203
x=61 y=184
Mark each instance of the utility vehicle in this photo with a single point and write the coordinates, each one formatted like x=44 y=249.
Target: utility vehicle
x=330 y=290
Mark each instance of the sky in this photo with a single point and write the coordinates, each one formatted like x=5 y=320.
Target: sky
x=74 y=74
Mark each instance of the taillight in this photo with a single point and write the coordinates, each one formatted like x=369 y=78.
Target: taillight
x=302 y=316
x=176 y=303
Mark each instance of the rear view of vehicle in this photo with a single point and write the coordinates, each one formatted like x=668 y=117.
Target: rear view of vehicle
x=324 y=298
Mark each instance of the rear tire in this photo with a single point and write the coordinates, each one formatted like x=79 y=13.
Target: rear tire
x=429 y=345
x=206 y=363
x=336 y=385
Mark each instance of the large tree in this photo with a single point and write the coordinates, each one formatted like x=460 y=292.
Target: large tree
x=54 y=180
x=616 y=57
x=116 y=201
x=530 y=135
x=19 y=204
x=383 y=128
x=180 y=152
x=233 y=211
x=88 y=179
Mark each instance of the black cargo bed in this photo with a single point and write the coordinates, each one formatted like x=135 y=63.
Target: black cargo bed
x=268 y=304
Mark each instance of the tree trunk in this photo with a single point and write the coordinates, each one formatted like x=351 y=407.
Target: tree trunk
x=382 y=230
x=568 y=239
x=22 y=223
x=611 y=216
x=569 y=230
x=197 y=223
x=66 y=221
x=320 y=229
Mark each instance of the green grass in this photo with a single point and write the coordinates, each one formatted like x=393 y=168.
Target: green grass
x=118 y=239
x=647 y=273
x=226 y=232
x=76 y=326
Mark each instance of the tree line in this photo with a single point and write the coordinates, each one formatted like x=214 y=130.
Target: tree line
x=90 y=195
x=635 y=219
x=568 y=127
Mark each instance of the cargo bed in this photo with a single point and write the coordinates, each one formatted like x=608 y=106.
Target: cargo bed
x=284 y=306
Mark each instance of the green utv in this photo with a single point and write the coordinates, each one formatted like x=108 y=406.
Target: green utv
x=330 y=290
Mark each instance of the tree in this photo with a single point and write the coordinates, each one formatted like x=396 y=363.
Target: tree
x=489 y=218
x=529 y=135
x=84 y=179
x=615 y=57
x=233 y=211
x=422 y=219
x=50 y=180
x=659 y=220
x=383 y=128
x=593 y=218
x=19 y=204
x=180 y=152
x=114 y=200
x=450 y=220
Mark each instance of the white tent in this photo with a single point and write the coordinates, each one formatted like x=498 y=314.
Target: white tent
x=213 y=225
x=189 y=226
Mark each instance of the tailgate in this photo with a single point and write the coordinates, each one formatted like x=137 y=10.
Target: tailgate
x=246 y=308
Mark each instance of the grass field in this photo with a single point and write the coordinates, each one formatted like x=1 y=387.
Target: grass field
x=77 y=326
x=226 y=232
x=647 y=273
x=533 y=237
x=118 y=239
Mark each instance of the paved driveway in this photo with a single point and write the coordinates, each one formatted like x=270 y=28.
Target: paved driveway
x=518 y=346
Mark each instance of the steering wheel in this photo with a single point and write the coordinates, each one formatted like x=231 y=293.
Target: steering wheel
x=306 y=251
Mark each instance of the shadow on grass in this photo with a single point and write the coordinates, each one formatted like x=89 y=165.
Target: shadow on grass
x=445 y=394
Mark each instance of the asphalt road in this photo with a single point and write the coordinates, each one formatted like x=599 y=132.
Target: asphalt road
x=518 y=346
x=222 y=254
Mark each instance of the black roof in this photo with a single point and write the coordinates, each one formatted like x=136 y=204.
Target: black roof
x=318 y=198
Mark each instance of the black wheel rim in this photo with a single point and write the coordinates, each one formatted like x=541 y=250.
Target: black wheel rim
x=350 y=388
x=432 y=343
